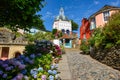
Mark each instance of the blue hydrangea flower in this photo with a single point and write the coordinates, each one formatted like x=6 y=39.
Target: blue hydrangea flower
x=26 y=77
x=33 y=72
x=56 y=65
x=35 y=76
x=54 y=72
x=32 y=56
x=52 y=66
x=51 y=77
x=50 y=71
x=27 y=59
x=22 y=56
x=40 y=69
x=24 y=71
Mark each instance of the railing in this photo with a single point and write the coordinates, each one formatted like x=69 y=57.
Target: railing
x=13 y=42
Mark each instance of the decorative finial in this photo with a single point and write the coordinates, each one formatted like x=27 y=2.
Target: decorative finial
x=61 y=11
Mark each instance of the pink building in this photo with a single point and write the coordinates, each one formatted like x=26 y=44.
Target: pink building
x=99 y=18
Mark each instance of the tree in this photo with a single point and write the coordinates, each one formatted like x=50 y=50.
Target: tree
x=74 y=25
x=38 y=36
x=21 y=14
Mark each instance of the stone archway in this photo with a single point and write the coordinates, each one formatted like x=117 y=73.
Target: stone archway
x=17 y=54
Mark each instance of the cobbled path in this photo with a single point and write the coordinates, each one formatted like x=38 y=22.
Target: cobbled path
x=83 y=67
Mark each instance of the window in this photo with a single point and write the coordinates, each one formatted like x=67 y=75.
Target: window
x=5 y=52
x=93 y=24
x=63 y=31
x=68 y=32
x=106 y=15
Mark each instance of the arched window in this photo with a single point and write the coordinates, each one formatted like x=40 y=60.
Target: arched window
x=63 y=31
x=68 y=32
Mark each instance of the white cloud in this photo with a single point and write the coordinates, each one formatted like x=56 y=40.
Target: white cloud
x=88 y=13
x=48 y=15
x=115 y=3
x=96 y=2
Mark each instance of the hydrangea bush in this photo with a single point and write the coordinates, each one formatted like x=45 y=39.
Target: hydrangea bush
x=36 y=63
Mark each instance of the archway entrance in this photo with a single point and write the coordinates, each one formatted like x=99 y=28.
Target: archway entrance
x=17 y=54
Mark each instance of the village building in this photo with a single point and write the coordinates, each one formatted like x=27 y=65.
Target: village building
x=96 y=20
x=100 y=18
x=10 y=45
x=63 y=24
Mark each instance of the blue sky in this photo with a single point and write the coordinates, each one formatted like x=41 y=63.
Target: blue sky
x=74 y=9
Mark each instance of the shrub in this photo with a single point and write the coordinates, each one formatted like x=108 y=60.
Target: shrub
x=85 y=47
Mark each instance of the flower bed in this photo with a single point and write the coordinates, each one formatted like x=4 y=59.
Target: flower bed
x=38 y=63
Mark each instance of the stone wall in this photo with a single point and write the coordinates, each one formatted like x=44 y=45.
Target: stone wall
x=110 y=57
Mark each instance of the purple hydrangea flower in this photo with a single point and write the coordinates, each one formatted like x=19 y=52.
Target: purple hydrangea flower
x=39 y=54
x=43 y=77
x=6 y=61
x=1 y=72
x=19 y=76
x=35 y=76
x=14 y=78
x=8 y=68
x=17 y=63
x=4 y=76
x=32 y=56
x=21 y=66
x=5 y=65
x=11 y=61
x=31 y=61
x=1 y=62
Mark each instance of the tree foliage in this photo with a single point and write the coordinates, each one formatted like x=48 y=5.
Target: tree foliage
x=38 y=36
x=74 y=25
x=21 y=14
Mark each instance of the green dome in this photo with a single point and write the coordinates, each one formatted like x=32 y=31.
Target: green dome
x=61 y=16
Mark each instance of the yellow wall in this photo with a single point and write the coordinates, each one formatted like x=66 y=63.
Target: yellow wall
x=13 y=49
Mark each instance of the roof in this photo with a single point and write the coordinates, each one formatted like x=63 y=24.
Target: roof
x=105 y=8
x=66 y=36
x=61 y=16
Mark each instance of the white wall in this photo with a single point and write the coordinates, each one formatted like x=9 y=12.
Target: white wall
x=66 y=25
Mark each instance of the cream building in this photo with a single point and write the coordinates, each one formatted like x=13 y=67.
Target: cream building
x=61 y=22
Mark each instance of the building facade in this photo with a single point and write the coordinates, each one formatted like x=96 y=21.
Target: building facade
x=100 y=18
x=85 y=32
x=63 y=24
x=10 y=46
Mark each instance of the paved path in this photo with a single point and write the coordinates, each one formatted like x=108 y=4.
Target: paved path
x=64 y=69
x=75 y=66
